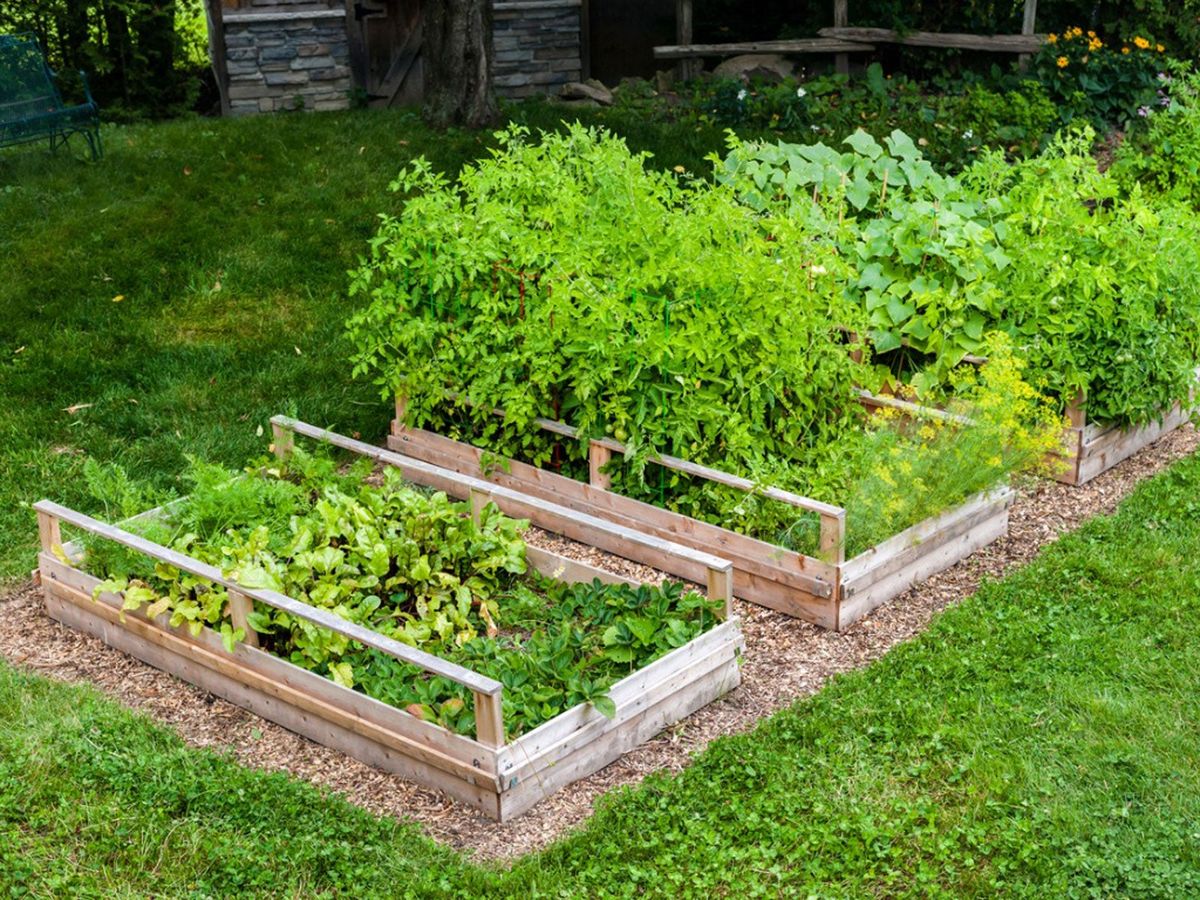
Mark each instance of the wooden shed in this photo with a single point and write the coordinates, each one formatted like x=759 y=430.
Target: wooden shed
x=323 y=54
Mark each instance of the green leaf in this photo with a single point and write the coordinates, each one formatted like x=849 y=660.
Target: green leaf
x=605 y=706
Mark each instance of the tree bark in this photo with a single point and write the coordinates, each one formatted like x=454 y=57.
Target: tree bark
x=458 y=60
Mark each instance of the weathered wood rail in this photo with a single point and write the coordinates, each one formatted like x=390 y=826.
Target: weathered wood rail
x=828 y=589
x=1089 y=450
x=500 y=777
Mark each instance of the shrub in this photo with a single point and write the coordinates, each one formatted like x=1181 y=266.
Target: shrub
x=1164 y=156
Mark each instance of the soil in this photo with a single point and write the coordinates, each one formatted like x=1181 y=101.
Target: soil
x=785 y=660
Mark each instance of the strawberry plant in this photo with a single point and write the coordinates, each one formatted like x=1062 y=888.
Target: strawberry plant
x=409 y=564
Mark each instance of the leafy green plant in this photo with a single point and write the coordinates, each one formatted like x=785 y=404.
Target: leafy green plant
x=1098 y=82
x=1164 y=156
x=409 y=564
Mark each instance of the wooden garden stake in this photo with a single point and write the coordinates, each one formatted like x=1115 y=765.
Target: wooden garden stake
x=489 y=719
x=598 y=457
x=240 y=607
x=284 y=440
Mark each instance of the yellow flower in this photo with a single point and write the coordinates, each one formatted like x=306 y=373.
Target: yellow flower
x=1052 y=39
x=1141 y=43
x=1159 y=47
x=1061 y=62
x=1124 y=49
x=1095 y=44
x=1076 y=32
x=1092 y=35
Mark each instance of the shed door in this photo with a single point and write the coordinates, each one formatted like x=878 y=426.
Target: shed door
x=385 y=50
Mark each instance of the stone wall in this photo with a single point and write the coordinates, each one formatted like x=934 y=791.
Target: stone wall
x=287 y=55
x=537 y=46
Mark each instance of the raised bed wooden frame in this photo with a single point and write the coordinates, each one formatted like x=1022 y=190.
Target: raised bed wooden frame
x=829 y=590
x=499 y=777
x=1089 y=450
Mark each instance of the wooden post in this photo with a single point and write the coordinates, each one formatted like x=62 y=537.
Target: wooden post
x=688 y=68
x=1077 y=410
x=598 y=457
x=1027 y=27
x=720 y=587
x=283 y=440
x=240 y=607
x=833 y=537
x=217 y=50
x=489 y=719
x=841 y=18
x=49 y=532
x=401 y=414
x=478 y=501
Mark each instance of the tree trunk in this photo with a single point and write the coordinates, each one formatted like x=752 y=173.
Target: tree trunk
x=458 y=59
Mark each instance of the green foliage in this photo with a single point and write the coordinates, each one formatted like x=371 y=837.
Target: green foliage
x=1101 y=83
x=1164 y=156
x=1095 y=288
x=1100 y=293
x=952 y=122
x=562 y=279
x=409 y=564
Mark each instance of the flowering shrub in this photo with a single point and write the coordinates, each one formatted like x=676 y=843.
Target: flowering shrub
x=1165 y=155
x=1106 y=84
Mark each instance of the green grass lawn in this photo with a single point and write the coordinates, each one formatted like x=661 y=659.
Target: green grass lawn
x=1041 y=740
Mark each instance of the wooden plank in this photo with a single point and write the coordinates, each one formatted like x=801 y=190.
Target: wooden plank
x=994 y=43
x=489 y=720
x=683 y=35
x=217 y=51
x=426 y=734
x=611 y=745
x=49 y=531
x=270 y=707
x=240 y=608
x=669 y=462
x=803 y=45
x=1112 y=447
x=540 y=742
x=599 y=456
x=176 y=646
x=871 y=560
x=571 y=571
x=841 y=18
x=324 y=618
x=949 y=553
x=802 y=573
x=923 y=545
x=915 y=410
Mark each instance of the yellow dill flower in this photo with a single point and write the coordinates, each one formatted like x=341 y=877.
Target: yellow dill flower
x=1141 y=43
x=1061 y=62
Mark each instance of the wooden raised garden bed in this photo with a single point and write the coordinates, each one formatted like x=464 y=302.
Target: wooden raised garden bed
x=830 y=591
x=501 y=778
x=1092 y=449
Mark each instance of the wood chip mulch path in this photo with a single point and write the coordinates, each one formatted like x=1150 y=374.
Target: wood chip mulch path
x=786 y=659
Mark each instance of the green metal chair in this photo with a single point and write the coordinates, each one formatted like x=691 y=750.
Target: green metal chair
x=31 y=107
